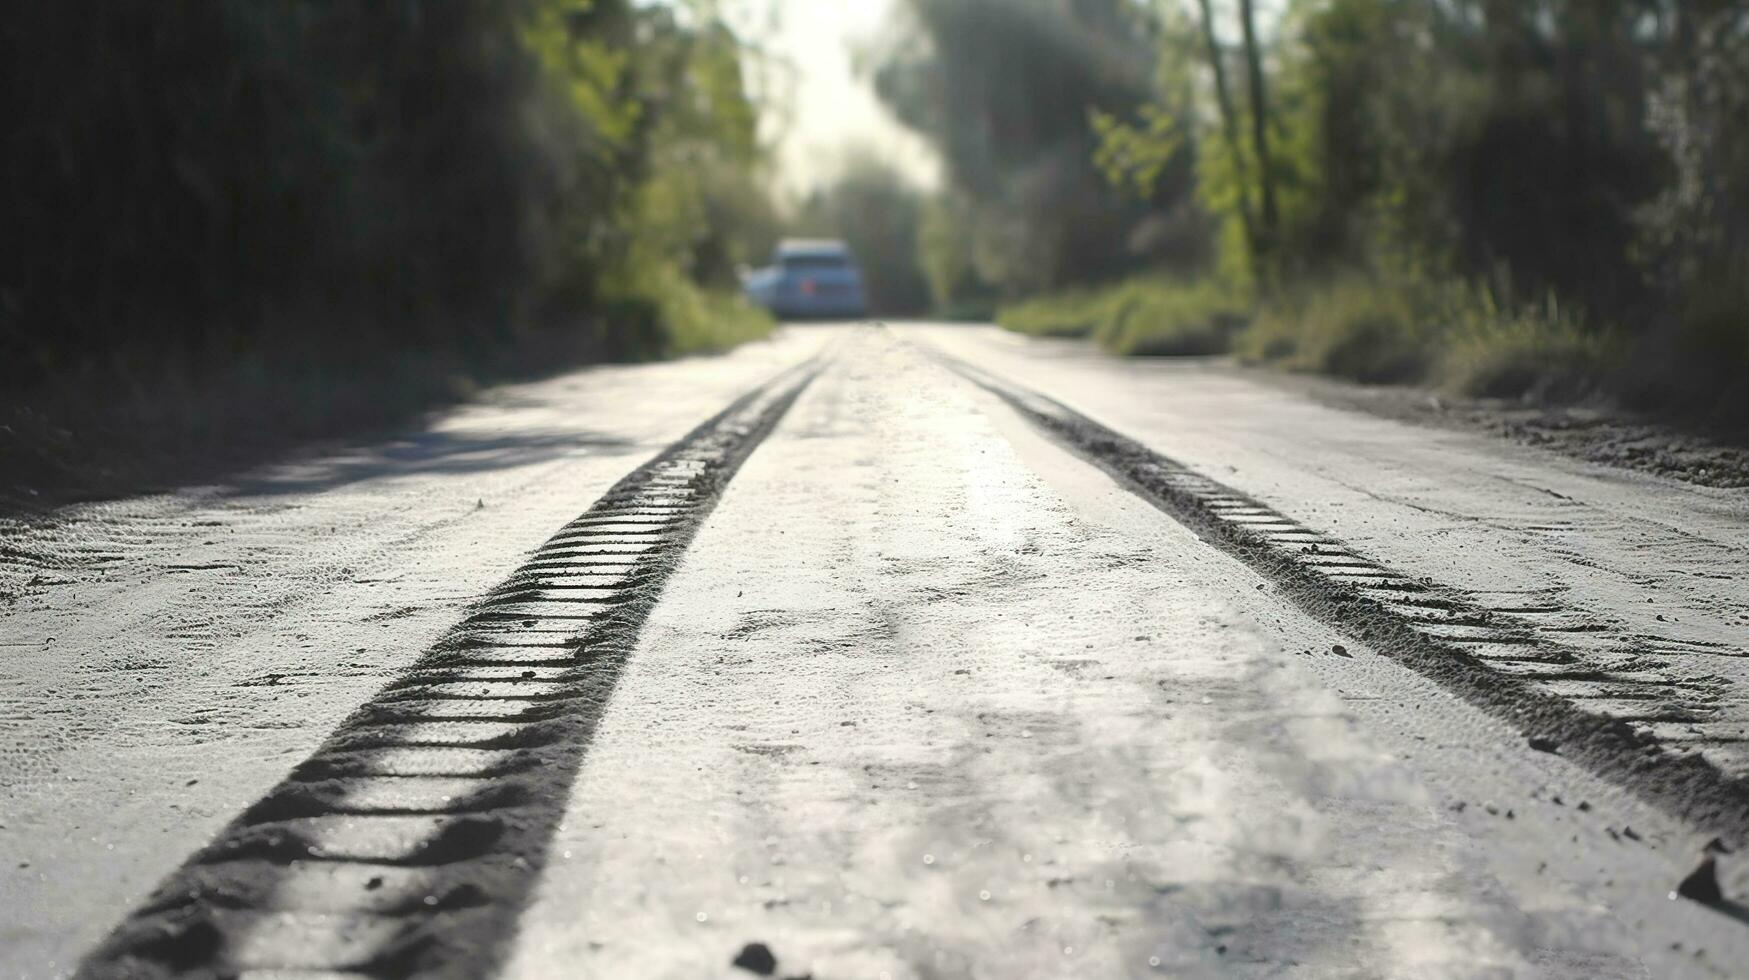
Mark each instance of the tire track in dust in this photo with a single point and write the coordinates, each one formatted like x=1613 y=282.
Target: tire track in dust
x=411 y=839
x=1611 y=721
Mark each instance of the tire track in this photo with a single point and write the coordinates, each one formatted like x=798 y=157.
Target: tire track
x=1612 y=721
x=410 y=840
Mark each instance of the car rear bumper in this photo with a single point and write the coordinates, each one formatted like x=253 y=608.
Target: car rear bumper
x=819 y=309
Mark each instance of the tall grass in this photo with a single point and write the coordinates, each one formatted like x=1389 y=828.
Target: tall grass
x=1543 y=351
x=679 y=317
x=1344 y=328
x=1457 y=336
x=1141 y=317
x=1454 y=335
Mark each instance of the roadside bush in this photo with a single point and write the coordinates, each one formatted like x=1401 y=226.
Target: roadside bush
x=1457 y=336
x=682 y=318
x=1173 y=319
x=232 y=224
x=1147 y=317
x=195 y=181
x=1541 y=351
x=1588 y=154
x=1075 y=313
x=1349 y=328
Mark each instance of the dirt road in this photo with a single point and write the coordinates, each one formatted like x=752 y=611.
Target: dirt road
x=920 y=651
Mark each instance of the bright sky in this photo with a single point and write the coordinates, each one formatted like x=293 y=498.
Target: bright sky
x=833 y=110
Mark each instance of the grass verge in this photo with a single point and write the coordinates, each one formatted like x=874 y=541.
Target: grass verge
x=1141 y=317
x=1450 y=335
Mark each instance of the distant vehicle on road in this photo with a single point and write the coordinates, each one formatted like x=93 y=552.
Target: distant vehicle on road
x=809 y=279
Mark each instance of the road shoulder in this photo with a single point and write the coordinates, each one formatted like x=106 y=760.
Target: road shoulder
x=1592 y=432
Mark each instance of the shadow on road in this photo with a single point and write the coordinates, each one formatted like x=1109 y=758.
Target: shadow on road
x=427 y=453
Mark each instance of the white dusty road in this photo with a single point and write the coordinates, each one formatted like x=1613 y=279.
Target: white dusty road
x=941 y=687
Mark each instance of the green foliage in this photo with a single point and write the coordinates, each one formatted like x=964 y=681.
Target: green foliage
x=1173 y=319
x=1071 y=313
x=1434 y=161
x=1136 y=157
x=945 y=244
x=246 y=223
x=702 y=321
x=1408 y=331
x=1141 y=316
x=1695 y=233
x=1538 y=350
x=1519 y=144
x=1457 y=336
x=362 y=176
x=1349 y=327
x=665 y=314
x=700 y=205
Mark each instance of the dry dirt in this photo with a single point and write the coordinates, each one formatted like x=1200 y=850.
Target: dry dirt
x=929 y=694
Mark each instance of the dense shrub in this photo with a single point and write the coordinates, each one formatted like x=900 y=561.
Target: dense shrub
x=1141 y=316
x=230 y=223
x=188 y=181
x=1544 y=197
x=1458 y=337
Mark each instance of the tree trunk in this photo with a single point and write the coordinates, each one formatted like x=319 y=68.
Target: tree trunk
x=1230 y=128
x=1268 y=227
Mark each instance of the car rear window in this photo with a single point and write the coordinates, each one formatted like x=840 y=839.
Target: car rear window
x=813 y=263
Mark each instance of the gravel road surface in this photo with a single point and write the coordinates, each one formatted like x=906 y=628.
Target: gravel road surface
x=914 y=651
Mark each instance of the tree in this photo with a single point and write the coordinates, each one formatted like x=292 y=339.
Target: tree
x=1004 y=89
x=1268 y=225
x=378 y=174
x=1230 y=126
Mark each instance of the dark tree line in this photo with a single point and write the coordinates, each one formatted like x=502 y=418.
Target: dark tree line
x=1003 y=89
x=1564 y=178
x=198 y=177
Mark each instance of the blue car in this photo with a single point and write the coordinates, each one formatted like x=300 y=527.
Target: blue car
x=809 y=279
